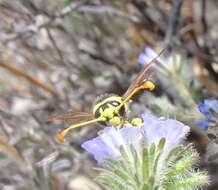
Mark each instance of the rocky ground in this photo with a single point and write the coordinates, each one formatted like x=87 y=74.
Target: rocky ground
x=58 y=56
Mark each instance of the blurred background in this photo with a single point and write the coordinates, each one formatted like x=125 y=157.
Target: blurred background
x=59 y=55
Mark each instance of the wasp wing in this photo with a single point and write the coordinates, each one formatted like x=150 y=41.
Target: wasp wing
x=145 y=73
x=71 y=116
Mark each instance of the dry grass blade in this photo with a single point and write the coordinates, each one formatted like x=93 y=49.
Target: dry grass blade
x=9 y=149
x=16 y=70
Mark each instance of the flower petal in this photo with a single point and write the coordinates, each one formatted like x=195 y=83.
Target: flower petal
x=108 y=144
x=209 y=107
x=203 y=124
x=172 y=130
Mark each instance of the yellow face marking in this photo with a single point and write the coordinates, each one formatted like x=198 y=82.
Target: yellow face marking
x=108 y=113
x=115 y=121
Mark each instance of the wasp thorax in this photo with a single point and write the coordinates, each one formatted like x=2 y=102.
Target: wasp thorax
x=110 y=107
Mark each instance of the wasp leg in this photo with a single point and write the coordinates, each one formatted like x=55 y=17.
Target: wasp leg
x=127 y=124
x=137 y=122
x=61 y=134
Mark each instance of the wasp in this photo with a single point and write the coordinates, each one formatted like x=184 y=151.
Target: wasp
x=110 y=109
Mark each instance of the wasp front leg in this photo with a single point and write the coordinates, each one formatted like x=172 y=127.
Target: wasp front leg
x=136 y=122
x=112 y=117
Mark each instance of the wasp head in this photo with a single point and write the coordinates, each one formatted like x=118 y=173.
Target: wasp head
x=110 y=107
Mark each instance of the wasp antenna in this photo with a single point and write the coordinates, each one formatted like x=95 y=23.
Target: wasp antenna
x=60 y=137
x=146 y=85
x=61 y=134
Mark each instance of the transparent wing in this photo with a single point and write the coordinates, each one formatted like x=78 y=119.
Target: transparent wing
x=145 y=73
x=72 y=116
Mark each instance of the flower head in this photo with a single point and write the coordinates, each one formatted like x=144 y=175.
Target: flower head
x=109 y=143
x=210 y=110
x=146 y=157
x=146 y=56
x=168 y=65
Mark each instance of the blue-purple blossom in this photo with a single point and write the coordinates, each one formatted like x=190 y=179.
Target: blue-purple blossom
x=210 y=110
x=109 y=143
x=146 y=56
x=168 y=64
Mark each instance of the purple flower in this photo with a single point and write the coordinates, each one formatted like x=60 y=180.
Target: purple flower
x=146 y=56
x=204 y=124
x=108 y=144
x=210 y=110
x=167 y=64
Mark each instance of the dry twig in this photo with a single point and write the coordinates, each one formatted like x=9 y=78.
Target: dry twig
x=16 y=70
x=173 y=21
x=74 y=6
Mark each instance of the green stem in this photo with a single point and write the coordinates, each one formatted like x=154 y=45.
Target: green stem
x=186 y=96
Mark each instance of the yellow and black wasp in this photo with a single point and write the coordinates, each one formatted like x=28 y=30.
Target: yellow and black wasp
x=110 y=109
